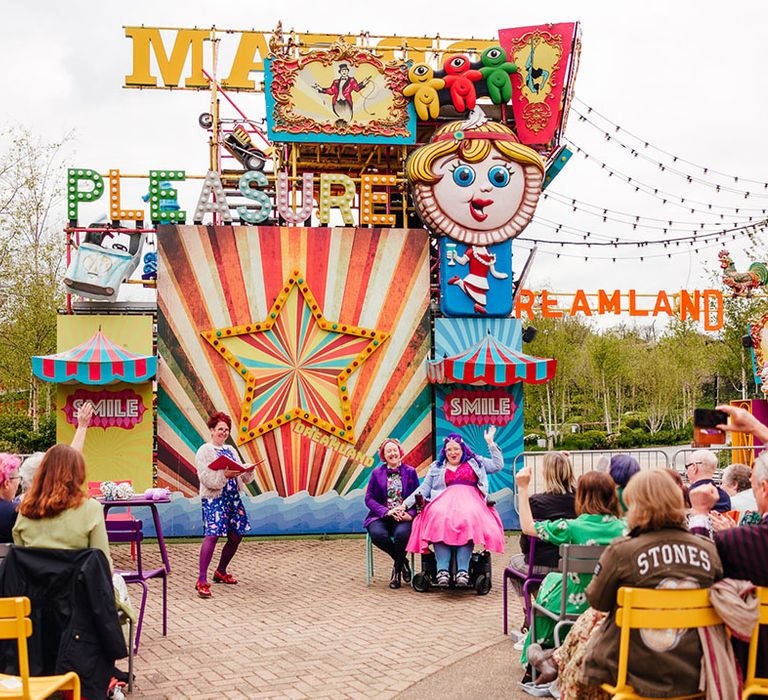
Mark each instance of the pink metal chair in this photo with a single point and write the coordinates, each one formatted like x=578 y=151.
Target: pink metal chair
x=130 y=531
x=529 y=580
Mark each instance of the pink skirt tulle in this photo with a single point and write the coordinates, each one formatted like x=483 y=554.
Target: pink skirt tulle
x=458 y=515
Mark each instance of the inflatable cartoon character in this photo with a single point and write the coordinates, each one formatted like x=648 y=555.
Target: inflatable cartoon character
x=496 y=72
x=460 y=79
x=423 y=86
x=475 y=182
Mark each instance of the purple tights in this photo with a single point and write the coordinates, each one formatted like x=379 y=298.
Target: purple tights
x=227 y=552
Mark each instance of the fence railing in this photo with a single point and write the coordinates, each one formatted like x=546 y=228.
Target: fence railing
x=589 y=460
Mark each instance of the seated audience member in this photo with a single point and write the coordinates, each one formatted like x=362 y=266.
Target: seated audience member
x=743 y=550
x=56 y=513
x=622 y=469
x=9 y=485
x=597 y=522
x=737 y=483
x=658 y=553
x=736 y=479
x=683 y=488
x=389 y=484
x=700 y=470
x=558 y=500
x=457 y=516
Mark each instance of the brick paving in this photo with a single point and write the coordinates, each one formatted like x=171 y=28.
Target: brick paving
x=303 y=624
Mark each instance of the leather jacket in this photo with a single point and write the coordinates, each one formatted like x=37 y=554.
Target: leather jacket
x=74 y=617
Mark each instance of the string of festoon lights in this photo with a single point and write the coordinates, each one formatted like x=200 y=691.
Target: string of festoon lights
x=600 y=239
x=693 y=205
x=612 y=258
x=601 y=227
x=588 y=113
x=636 y=221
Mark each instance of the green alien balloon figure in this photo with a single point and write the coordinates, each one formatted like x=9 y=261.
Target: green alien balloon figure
x=496 y=71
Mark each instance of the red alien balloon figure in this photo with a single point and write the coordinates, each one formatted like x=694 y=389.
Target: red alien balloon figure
x=460 y=79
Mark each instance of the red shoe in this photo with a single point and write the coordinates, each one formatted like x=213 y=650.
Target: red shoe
x=223 y=578
x=203 y=589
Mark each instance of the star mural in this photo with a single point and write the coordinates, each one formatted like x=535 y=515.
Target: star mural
x=296 y=364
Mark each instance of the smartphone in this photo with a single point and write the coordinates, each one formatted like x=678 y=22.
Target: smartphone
x=708 y=418
x=705 y=432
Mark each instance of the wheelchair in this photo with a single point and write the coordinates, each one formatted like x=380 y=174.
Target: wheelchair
x=479 y=573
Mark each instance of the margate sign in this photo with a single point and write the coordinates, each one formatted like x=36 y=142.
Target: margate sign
x=174 y=58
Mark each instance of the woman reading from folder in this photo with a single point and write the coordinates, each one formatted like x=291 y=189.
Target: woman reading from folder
x=221 y=475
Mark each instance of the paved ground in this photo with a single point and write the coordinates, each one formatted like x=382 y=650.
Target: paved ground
x=303 y=624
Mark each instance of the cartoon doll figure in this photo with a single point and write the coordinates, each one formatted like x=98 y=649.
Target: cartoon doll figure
x=475 y=182
x=475 y=284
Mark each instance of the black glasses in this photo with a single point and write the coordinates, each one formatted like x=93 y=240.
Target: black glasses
x=690 y=464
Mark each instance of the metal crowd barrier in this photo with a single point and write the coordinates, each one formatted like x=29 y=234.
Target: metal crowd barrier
x=589 y=460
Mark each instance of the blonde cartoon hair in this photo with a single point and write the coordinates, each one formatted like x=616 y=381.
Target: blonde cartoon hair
x=473 y=141
x=473 y=145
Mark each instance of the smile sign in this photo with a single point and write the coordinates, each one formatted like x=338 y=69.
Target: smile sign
x=465 y=406
x=111 y=409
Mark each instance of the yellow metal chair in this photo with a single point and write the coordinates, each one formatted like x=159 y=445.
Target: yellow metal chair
x=754 y=684
x=648 y=608
x=14 y=624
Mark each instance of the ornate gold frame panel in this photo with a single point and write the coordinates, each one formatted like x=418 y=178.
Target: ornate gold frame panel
x=343 y=95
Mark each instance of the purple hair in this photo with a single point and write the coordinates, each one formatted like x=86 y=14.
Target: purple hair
x=8 y=464
x=623 y=468
x=466 y=451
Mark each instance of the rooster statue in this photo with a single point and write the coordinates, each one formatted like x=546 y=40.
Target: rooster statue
x=742 y=283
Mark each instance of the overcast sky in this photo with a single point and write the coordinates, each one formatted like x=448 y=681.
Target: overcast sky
x=688 y=77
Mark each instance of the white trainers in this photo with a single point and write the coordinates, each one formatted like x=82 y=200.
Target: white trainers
x=443 y=578
x=462 y=578
x=520 y=643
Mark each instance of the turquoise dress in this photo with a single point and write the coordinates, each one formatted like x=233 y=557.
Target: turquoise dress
x=586 y=529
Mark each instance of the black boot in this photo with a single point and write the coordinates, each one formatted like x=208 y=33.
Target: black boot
x=406 y=571
x=394 y=582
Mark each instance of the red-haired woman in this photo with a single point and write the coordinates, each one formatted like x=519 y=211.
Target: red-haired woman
x=223 y=512
x=56 y=513
x=390 y=483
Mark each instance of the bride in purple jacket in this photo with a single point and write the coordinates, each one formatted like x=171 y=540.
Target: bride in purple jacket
x=388 y=525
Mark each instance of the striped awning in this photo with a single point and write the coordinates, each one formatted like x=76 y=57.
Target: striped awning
x=96 y=361
x=491 y=362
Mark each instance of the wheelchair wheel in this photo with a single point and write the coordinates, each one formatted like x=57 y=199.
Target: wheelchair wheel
x=420 y=582
x=483 y=585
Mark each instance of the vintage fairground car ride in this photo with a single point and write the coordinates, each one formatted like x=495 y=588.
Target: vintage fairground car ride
x=97 y=271
x=239 y=143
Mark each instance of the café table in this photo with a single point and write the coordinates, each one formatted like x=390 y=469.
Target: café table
x=140 y=501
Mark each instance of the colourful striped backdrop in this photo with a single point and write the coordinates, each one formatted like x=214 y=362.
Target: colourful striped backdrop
x=216 y=277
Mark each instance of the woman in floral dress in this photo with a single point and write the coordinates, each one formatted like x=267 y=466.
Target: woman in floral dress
x=597 y=523
x=223 y=511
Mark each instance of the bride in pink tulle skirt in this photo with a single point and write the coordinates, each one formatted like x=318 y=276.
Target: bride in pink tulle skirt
x=457 y=516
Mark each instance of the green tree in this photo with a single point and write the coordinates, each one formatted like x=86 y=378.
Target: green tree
x=32 y=192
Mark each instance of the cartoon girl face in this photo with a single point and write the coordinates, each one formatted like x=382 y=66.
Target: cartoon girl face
x=475 y=182
x=480 y=196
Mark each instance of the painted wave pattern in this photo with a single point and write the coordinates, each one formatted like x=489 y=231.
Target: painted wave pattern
x=301 y=513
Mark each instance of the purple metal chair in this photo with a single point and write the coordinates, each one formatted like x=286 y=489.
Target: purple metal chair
x=130 y=531
x=529 y=579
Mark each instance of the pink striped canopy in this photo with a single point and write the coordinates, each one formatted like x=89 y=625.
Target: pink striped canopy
x=96 y=361
x=491 y=362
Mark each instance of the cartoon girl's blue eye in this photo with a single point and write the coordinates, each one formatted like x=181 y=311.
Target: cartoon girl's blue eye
x=499 y=176
x=463 y=176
